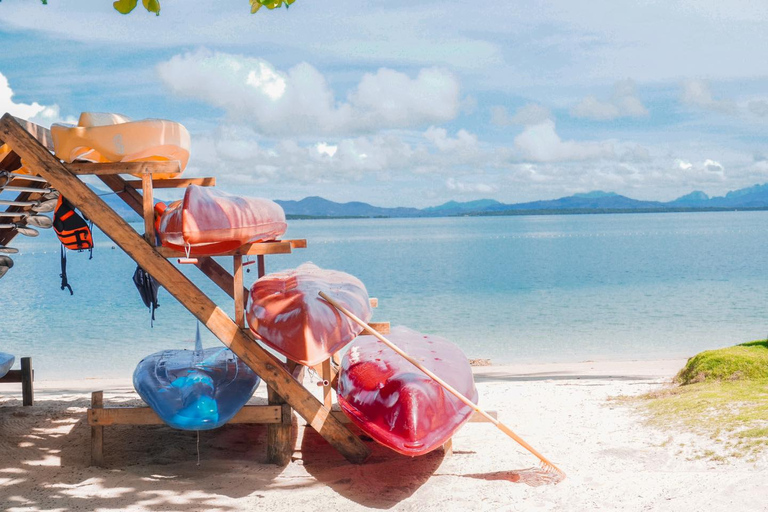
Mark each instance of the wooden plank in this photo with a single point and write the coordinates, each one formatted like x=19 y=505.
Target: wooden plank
x=97 y=432
x=279 y=449
x=206 y=264
x=380 y=327
x=148 y=208
x=237 y=289
x=326 y=375
x=262 y=266
x=448 y=447
x=109 y=416
x=82 y=168
x=175 y=182
x=271 y=370
x=27 y=377
x=42 y=134
x=259 y=248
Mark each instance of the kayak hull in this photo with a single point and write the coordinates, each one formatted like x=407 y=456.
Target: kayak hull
x=6 y=362
x=114 y=138
x=208 y=221
x=195 y=390
x=397 y=404
x=286 y=312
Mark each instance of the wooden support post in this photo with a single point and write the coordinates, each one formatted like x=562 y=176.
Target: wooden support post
x=448 y=447
x=148 y=210
x=97 y=432
x=327 y=377
x=272 y=371
x=279 y=449
x=262 y=265
x=27 y=377
x=237 y=291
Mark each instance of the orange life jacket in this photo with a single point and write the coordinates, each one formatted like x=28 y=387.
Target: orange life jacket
x=74 y=233
x=70 y=227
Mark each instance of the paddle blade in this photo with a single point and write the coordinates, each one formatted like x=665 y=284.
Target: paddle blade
x=8 y=250
x=39 y=221
x=45 y=206
x=27 y=231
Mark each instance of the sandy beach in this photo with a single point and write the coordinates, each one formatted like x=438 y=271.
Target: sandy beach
x=612 y=459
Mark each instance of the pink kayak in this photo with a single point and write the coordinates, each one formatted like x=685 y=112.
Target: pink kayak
x=286 y=312
x=211 y=222
x=396 y=403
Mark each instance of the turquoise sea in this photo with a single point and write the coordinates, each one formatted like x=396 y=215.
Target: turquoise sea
x=512 y=289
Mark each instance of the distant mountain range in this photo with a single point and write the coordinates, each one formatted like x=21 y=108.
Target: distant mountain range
x=755 y=197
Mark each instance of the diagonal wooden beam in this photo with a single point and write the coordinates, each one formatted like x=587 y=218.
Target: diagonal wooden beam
x=206 y=264
x=272 y=371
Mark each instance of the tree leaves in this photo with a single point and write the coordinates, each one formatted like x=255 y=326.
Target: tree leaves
x=126 y=6
x=269 y=4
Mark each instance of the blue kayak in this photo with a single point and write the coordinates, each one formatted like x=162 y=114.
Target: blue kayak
x=6 y=361
x=199 y=389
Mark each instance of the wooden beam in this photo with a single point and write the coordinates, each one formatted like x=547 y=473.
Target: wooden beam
x=326 y=375
x=175 y=182
x=27 y=377
x=97 y=432
x=237 y=289
x=272 y=371
x=259 y=248
x=108 y=416
x=81 y=168
x=380 y=327
x=42 y=134
x=148 y=208
x=206 y=264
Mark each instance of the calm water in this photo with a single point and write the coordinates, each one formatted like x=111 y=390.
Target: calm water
x=513 y=289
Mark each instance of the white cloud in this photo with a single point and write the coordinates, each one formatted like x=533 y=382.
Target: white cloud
x=698 y=93
x=468 y=188
x=541 y=143
x=531 y=113
x=464 y=142
x=40 y=114
x=301 y=102
x=623 y=103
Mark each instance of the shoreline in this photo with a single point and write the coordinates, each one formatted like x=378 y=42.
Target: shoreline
x=613 y=460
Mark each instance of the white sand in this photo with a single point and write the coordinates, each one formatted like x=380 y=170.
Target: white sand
x=613 y=461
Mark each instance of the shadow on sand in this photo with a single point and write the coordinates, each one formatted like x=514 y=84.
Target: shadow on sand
x=45 y=457
x=383 y=481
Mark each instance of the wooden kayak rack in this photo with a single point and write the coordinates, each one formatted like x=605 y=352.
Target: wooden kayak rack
x=284 y=379
x=32 y=144
x=26 y=376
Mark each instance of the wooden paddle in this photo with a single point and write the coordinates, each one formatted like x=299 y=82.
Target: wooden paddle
x=548 y=466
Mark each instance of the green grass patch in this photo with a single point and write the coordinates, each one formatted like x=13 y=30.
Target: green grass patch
x=748 y=361
x=723 y=396
x=732 y=414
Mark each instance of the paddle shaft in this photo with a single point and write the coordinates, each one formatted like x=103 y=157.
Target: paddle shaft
x=440 y=381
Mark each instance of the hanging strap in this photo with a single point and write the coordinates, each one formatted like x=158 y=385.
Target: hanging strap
x=63 y=275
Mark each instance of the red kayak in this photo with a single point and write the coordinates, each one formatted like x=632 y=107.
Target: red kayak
x=396 y=403
x=286 y=312
x=211 y=222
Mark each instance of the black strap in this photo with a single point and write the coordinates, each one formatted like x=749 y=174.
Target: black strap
x=63 y=275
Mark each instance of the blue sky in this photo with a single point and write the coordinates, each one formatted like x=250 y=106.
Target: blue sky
x=417 y=103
